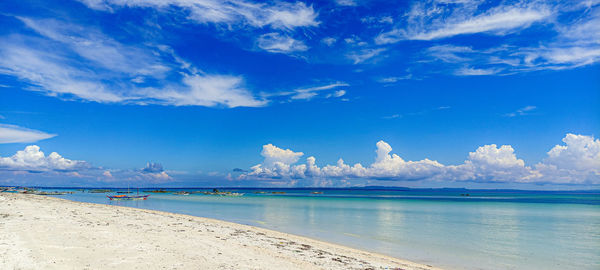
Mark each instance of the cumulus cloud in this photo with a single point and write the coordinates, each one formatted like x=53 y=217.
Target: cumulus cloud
x=152 y=167
x=490 y=163
x=33 y=160
x=107 y=174
x=153 y=171
x=576 y=162
x=277 y=162
x=17 y=134
x=386 y=166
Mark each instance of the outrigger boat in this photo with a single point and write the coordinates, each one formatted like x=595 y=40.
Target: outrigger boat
x=125 y=197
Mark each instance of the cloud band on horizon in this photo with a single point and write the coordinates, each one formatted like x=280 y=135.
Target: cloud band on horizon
x=577 y=162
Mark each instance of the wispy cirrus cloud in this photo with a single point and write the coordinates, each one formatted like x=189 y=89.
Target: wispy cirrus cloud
x=567 y=42
x=311 y=92
x=522 y=111
x=363 y=55
x=276 y=15
x=17 y=134
x=85 y=64
x=271 y=24
x=432 y=20
x=471 y=71
x=278 y=43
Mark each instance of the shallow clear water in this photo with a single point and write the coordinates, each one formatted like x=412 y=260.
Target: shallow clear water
x=485 y=230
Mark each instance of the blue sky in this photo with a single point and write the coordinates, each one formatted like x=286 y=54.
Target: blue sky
x=466 y=93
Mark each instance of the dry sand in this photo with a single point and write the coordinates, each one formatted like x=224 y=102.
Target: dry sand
x=38 y=232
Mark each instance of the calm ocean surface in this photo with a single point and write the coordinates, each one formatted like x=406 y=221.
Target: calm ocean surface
x=485 y=230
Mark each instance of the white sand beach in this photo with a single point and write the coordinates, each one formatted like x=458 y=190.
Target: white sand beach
x=38 y=232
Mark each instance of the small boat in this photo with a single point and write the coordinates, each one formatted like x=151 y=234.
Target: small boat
x=185 y=193
x=128 y=198
x=8 y=189
x=316 y=192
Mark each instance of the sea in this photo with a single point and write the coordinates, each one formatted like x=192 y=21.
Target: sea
x=447 y=228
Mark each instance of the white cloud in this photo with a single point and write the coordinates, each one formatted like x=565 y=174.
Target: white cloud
x=107 y=174
x=390 y=80
x=522 y=111
x=274 y=154
x=470 y=71
x=572 y=43
x=52 y=73
x=497 y=21
x=436 y=20
x=153 y=172
x=85 y=64
x=205 y=90
x=94 y=46
x=278 y=43
x=577 y=44
x=277 y=162
x=17 y=134
x=392 y=166
x=361 y=56
x=338 y=93
x=152 y=167
x=374 y=21
x=278 y=15
x=577 y=162
x=32 y=159
x=449 y=53
x=311 y=92
x=155 y=177
x=386 y=166
x=329 y=41
x=348 y=3
x=490 y=163
x=32 y=163
x=386 y=19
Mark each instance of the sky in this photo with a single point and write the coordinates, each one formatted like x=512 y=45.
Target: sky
x=198 y=93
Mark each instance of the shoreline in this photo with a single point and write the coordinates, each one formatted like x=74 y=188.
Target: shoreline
x=54 y=233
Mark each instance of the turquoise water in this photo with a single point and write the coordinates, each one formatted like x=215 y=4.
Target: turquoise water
x=485 y=230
